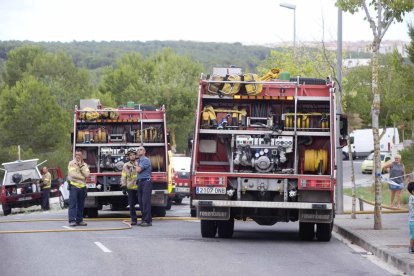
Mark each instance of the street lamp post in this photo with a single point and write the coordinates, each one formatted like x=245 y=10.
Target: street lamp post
x=292 y=7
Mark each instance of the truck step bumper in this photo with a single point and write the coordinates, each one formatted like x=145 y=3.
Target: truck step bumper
x=263 y=204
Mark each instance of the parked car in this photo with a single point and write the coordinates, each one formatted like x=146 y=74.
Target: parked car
x=181 y=178
x=362 y=143
x=20 y=186
x=64 y=195
x=368 y=164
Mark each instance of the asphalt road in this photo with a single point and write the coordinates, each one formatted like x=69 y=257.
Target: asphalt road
x=361 y=179
x=172 y=247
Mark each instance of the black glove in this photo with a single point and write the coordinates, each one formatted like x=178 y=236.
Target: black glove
x=86 y=192
x=124 y=190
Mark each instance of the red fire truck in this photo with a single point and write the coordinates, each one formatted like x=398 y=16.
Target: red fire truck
x=105 y=135
x=265 y=150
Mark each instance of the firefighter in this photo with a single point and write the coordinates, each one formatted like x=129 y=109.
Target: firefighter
x=129 y=183
x=144 y=186
x=78 y=171
x=45 y=185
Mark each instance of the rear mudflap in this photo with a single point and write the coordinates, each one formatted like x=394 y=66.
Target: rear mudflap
x=317 y=216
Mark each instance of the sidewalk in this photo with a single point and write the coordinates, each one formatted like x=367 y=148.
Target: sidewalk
x=389 y=244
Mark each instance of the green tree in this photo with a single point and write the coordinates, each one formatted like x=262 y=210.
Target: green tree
x=164 y=78
x=31 y=118
x=305 y=62
x=380 y=14
x=410 y=47
x=356 y=96
x=65 y=82
x=19 y=62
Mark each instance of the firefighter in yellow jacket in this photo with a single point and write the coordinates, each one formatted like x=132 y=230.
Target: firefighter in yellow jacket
x=46 y=184
x=78 y=171
x=128 y=183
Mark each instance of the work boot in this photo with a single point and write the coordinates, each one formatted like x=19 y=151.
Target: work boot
x=144 y=224
x=72 y=223
x=133 y=223
x=411 y=250
x=81 y=223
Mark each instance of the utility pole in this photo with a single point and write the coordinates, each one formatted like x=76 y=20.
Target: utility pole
x=339 y=166
x=292 y=7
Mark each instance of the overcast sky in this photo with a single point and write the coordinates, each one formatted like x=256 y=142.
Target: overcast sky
x=250 y=22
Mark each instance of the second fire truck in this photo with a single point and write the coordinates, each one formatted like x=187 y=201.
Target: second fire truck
x=104 y=135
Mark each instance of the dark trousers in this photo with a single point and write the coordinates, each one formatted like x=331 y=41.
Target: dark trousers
x=132 y=201
x=76 y=203
x=45 y=199
x=144 y=200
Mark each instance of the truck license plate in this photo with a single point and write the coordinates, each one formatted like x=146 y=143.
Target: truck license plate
x=182 y=190
x=25 y=198
x=210 y=190
x=90 y=185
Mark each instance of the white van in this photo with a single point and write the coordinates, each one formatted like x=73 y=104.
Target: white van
x=362 y=142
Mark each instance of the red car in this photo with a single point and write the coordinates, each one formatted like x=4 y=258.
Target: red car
x=20 y=185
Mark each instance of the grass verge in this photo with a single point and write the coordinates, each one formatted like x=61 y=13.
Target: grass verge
x=368 y=193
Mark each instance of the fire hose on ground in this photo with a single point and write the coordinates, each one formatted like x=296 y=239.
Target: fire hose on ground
x=86 y=229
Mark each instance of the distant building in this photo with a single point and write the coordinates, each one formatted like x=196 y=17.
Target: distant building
x=354 y=62
x=361 y=47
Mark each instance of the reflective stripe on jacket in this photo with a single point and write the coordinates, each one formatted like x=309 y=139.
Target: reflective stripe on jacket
x=47 y=180
x=129 y=176
x=77 y=174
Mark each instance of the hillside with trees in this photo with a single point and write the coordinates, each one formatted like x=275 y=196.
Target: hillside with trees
x=42 y=82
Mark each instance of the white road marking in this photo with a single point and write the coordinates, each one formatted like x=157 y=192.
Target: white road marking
x=103 y=247
x=67 y=227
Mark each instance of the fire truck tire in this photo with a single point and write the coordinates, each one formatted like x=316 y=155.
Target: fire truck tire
x=169 y=203
x=62 y=201
x=158 y=211
x=92 y=212
x=324 y=231
x=178 y=201
x=310 y=81
x=6 y=210
x=306 y=231
x=208 y=228
x=225 y=228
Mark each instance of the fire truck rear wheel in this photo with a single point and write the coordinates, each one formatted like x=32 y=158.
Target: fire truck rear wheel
x=6 y=210
x=158 y=211
x=208 y=228
x=169 y=203
x=306 y=231
x=92 y=212
x=225 y=228
x=178 y=201
x=324 y=231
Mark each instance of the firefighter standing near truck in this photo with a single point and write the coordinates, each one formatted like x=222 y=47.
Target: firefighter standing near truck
x=129 y=183
x=144 y=186
x=46 y=185
x=78 y=171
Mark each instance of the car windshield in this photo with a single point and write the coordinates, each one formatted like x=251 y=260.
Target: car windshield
x=371 y=156
x=183 y=175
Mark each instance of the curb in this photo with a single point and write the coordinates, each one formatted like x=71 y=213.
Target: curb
x=402 y=263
